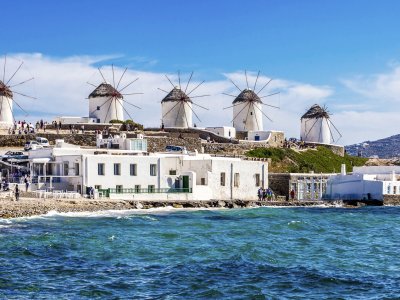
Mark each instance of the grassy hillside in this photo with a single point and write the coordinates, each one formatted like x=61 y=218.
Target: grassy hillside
x=320 y=160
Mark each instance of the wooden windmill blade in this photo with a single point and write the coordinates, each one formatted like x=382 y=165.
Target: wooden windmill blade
x=247 y=105
x=115 y=95
x=177 y=105
x=10 y=90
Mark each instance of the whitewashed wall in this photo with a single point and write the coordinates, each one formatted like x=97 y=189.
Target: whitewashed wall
x=248 y=118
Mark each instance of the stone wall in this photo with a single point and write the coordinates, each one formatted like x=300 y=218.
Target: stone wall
x=391 y=200
x=20 y=140
x=279 y=183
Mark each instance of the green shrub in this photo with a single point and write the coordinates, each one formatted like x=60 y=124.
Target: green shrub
x=320 y=160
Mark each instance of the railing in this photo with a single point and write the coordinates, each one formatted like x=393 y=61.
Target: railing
x=107 y=192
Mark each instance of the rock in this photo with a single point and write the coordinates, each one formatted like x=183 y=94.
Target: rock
x=176 y=205
x=221 y=203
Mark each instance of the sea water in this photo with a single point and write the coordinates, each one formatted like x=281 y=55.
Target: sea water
x=260 y=253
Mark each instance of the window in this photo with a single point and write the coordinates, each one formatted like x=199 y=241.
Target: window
x=119 y=189
x=137 y=188
x=117 y=169
x=97 y=187
x=76 y=169
x=151 y=188
x=257 y=178
x=153 y=170
x=172 y=172
x=100 y=169
x=133 y=169
x=66 y=169
x=395 y=190
x=236 y=180
x=202 y=181
x=222 y=179
x=98 y=107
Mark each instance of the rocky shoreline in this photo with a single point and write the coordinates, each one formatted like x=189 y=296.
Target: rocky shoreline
x=26 y=207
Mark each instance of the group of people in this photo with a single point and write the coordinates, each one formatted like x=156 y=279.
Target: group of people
x=265 y=194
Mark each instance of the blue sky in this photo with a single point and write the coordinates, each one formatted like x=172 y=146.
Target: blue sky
x=348 y=49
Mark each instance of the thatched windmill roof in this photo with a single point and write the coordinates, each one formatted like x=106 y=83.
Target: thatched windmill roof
x=177 y=95
x=316 y=112
x=105 y=90
x=5 y=91
x=247 y=95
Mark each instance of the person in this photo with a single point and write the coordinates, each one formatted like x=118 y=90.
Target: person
x=26 y=184
x=91 y=192
x=16 y=192
x=292 y=194
x=269 y=194
x=260 y=193
x=83 y=128
x=162 y=126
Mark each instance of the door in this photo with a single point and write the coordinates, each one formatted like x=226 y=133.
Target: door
x=185 y=184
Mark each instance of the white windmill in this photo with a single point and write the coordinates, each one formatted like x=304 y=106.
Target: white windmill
x=247 y=107
x=8 y=94
x=317 y=127
x=177 y=106
x=106 y=101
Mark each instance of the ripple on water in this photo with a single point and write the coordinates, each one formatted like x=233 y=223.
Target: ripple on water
x=261 y=253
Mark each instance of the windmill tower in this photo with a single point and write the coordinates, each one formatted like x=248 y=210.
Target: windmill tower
x=105 y=104
x=106 y=101
x=177 y=106
x=6 y=106
x=247 y=107
x=8 y=94
x=317 y=127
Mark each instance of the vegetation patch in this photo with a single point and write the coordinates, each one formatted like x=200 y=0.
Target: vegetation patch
x=319 y=160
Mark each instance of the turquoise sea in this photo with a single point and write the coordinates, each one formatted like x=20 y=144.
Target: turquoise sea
x=260 y=253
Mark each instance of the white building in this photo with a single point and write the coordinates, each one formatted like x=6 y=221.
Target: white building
x=138 y=175
x=76 y=120
x=176 y=109
x=368 y=182
x=315 y=126
x=6 y=106
x=224 y=131
x=106 y=104
x=247 y=112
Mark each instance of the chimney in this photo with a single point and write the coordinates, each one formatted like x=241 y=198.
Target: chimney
x=343 y=170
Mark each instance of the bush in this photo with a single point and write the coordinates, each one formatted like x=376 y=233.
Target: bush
x=320 y=160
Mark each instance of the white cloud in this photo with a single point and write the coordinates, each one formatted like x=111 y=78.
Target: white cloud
x=60 y=85
x=383 y=87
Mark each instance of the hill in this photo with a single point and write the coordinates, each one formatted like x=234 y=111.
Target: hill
x=319 y=160
x=383 y=148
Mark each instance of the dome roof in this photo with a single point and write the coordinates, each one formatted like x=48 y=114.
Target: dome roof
x=247 y=95
x=5 y=91
x=176 y=95
x=105 y=90
x=316 y=112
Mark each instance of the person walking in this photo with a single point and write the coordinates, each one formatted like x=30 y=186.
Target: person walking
x=16 y=192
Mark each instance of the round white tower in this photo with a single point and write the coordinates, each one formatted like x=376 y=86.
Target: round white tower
x=247 y=112
x=176 y=109
x=6 y=107
x=315 y=126
x=105 y=104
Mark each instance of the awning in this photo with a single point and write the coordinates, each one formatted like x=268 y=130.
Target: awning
x=41 y=160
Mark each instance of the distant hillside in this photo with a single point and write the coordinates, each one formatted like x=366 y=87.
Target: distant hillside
x=384 y=148
x=320 y=160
